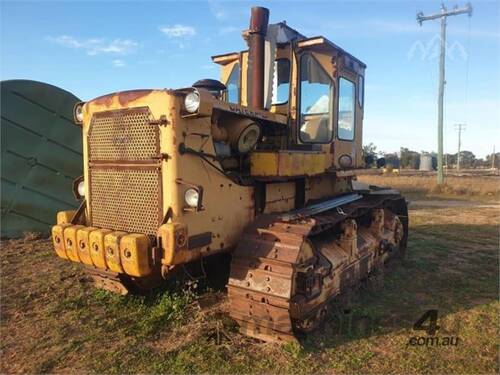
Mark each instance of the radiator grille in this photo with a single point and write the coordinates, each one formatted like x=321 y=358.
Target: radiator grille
x=123 y=135
x=126 y=199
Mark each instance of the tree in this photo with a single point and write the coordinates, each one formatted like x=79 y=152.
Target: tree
x=497 y=160
x=370 y=154
x=370 y=149
x=480 y=163
x=409 y=159
x=467 y=159
x=450 y=160
x=392 y=160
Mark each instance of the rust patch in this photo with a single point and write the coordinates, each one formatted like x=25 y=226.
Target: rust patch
x=124 y=97
x=129 y=96
x=106 y=100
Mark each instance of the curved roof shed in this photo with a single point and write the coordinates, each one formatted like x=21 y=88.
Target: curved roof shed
x=41 y=154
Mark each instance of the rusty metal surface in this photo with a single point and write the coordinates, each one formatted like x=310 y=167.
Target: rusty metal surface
x=256 y=40
x=107 y=280
x=124 y=97
x=280 y=286
x=320 y=207
x=123 y=284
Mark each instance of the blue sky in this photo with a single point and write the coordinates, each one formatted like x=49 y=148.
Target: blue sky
x=93 y=48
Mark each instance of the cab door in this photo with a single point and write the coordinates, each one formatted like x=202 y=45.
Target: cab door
x=348 y=123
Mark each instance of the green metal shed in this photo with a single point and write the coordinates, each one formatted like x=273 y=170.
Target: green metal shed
x=41 y=154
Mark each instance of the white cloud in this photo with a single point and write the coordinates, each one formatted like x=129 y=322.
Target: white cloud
x=178 y=31
x=118 y=63
x=218 y=10
x=229 y=30
x=95 y=46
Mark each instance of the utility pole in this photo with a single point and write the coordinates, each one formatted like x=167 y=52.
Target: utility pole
x=493 y=159
x=442 y=15
x=459 y=127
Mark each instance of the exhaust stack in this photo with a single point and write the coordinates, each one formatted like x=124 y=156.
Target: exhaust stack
x=256 y=56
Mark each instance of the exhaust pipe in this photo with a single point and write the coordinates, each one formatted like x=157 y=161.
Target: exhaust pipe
x=256 y=56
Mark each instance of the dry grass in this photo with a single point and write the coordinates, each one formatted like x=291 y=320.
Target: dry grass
x=53 y=322
x=481 y=187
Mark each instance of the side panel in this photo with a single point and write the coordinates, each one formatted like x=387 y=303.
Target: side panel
x=287 y=163
x=227 y=206
x=280 y=197
x=326 y=186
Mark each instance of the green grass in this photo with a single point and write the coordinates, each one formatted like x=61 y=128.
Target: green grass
x=52 y=321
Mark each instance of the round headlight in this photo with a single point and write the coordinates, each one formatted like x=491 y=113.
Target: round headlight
x=192 y=102
x=191 y=196
x=345 y=161
x=248 y=138
x=79 y=112
x=81 y=188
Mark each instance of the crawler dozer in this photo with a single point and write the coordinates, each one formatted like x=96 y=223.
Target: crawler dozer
x=260 y=164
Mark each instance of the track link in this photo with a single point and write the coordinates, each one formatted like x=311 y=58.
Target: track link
x=281 y=283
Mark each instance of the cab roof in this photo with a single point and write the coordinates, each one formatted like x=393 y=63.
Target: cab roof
x=282 y=33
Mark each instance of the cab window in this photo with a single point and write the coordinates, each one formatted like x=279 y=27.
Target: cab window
x=345 y=118
x=281 y=81
x=316 y=93
x=361 y=90
x=233 y=85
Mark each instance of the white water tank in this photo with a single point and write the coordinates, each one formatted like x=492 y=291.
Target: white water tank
x=425 y=161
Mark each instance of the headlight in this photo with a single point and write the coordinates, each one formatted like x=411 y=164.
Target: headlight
x=81 y=189
x=78 y=113
x=248 y=138
x=191 y=196
x=78 y=188
x=192 y=102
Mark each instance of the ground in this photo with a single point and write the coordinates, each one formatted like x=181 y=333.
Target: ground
x=53 y=321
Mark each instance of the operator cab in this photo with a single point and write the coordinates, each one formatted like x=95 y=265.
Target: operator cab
x=317 y=85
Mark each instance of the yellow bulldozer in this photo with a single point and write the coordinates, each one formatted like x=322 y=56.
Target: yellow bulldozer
x=260 y=165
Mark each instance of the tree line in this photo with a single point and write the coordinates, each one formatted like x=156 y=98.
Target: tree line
x=409 y=159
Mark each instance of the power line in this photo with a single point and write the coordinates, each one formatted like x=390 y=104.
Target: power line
x=442 y=16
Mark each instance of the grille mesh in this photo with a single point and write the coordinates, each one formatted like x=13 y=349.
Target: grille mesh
x=123 y=135
x=126 y=199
